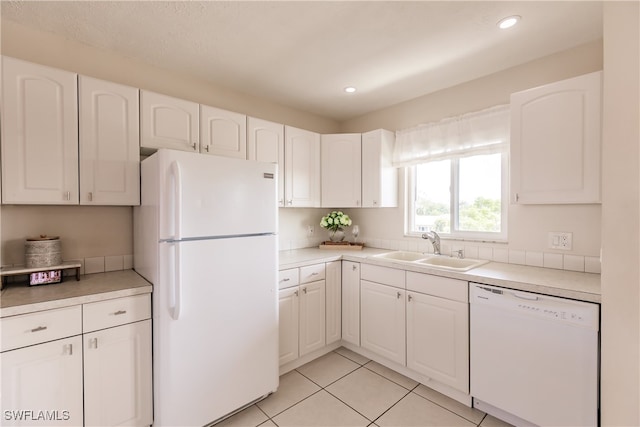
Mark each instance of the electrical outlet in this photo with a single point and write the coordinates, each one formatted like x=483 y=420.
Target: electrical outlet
x=310 y=230
x=560 y=240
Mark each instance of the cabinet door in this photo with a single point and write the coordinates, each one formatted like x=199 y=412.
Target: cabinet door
x=265 y=143
x=379 y=177
x=39 y=134
x=167 y=122
x=46 y=379
x=334 y=301
x=351 y=302
x=223 y=133
x=109 y=143
x=341 y=170
x=302 y=168
x=117 y=376
x=312 y=316
x=383 y=320
x=438 y=339
x=288 y=324
x=556 y=142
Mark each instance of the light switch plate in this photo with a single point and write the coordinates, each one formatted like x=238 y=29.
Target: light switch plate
x=560 y=240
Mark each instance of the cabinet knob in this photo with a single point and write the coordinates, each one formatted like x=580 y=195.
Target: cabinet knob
x=375 y=202
x=296 y=293
x=399 y=295
x=91 y=196
x=304 y=289
x=206 y=148
x=354 y=268
x=409 y=298
x=517 y=197
x=289 y=202
x=194 y=146
x=281 y=202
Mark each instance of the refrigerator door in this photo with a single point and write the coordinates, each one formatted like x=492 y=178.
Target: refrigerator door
x=215 y=328
x=205 y=196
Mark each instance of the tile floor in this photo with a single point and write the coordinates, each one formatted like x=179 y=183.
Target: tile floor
x=343 y=388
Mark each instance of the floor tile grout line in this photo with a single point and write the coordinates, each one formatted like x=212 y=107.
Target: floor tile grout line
x=299 y=401
x=389 y=379
x=390 y=407
x=443 y=407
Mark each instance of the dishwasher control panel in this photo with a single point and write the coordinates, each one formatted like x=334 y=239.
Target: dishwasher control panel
x=578 y=313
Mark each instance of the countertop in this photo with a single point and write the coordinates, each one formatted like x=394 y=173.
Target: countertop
x=548 y=281
x=20 y=298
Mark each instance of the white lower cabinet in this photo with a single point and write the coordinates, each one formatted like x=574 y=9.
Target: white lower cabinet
x=303 y=306
x=42 y=384
x=117 y=373
x=100 y=352
x=288 y=325
x=438 y=329
x=351 y=302
x=382 y=318
x=312 y=316
x=333 y=291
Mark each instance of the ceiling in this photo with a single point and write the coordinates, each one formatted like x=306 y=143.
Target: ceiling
x=303 y=53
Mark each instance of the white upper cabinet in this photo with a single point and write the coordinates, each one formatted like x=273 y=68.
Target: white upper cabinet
x=341 y=170
x=379 y=177
x=167 y=122
x=223 y=133
x=39 y=134
x=109 y=143
x=265 y=143
x=302 y=168
x=556 y=142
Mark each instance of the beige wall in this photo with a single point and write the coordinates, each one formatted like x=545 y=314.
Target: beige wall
x=620 y=389
x=528 y=225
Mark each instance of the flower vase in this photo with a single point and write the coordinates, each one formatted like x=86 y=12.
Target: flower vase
x=336 y=235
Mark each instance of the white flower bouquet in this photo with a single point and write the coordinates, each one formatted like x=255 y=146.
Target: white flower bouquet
x=335 y=220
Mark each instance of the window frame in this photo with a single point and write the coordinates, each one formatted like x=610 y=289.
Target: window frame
x=455 y=233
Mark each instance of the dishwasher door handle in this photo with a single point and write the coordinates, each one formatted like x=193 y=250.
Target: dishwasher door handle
x=526 y=296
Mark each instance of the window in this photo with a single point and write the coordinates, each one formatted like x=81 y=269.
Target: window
x=461 y=197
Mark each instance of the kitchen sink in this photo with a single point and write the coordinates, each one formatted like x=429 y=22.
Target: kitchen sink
x=435 y=261
x=449 y=263
x=402 y=256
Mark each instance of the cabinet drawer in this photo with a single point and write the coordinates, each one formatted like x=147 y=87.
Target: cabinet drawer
x=114 y=312
x=34 y=328
x=288 y=278
x=311 y=273
x=457 y=290
x=384 y=275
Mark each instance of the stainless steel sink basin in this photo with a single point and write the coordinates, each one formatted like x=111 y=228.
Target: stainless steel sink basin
x=449 y=263
x=402 y=256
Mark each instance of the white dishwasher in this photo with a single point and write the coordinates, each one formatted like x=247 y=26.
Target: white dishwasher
x=534 y=358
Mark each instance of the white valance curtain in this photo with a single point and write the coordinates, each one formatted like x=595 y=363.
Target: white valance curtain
x=480 y=131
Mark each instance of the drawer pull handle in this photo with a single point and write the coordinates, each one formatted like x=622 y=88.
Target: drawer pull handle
x=69 y=349
x=399 y=295
x=296 y=293
x=93 y=343
x=304 y=290
x=409 y=297
x=39 y=328
x=285 y=280
x=119 y=312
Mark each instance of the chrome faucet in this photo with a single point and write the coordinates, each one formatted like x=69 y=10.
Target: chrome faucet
x=434 y=239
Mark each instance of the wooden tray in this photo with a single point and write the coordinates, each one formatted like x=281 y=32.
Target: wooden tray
x=341 y=245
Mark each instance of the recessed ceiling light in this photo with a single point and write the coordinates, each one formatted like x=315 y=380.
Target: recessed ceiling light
x=349 y=89
x=508 y=22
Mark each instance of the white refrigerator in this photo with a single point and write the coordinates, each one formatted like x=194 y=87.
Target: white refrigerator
x=205 y=237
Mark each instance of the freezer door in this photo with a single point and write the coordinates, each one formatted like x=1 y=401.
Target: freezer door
x=204 y=196
x=215 y=328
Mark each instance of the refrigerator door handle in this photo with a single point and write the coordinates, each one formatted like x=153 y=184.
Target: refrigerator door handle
x=175 y=287
x=177 y=199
